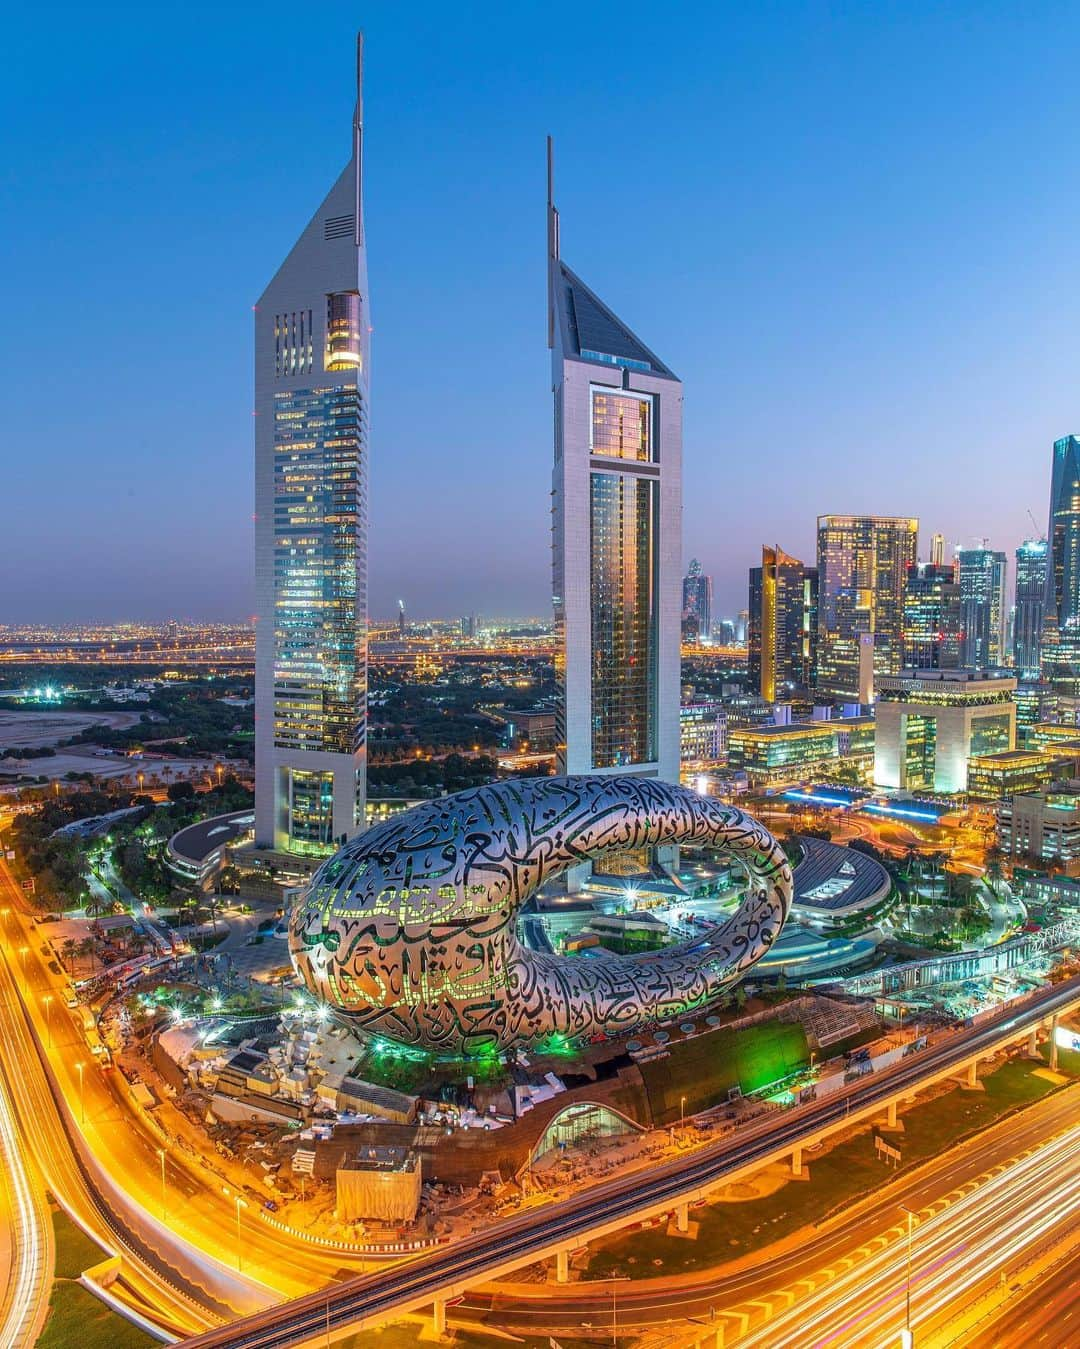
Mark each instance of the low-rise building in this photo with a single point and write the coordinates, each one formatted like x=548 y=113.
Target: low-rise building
x=782 y=756
x=1043 y=825
x=930 y=723
x=993 y=777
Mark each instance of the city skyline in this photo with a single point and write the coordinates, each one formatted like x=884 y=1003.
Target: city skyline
x=193 y=559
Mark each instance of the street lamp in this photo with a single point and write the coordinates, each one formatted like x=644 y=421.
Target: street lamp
x=906 y=1338
x=24 y=951
x=624 y=1278
x=682 y=1111
x=240 y=1203
x=161 y=1158
x=48 y=1001
x=82 y=1095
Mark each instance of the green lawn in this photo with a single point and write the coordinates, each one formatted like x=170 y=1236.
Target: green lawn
x=837 y=1177
x=77 y=1317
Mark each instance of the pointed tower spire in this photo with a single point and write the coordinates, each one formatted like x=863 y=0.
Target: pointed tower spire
x=358 y=141
x=552 y=240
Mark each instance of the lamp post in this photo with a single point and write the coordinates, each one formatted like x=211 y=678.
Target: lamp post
x=240 y=1203
x=625 y=1278
x=82 y=1095
x=161 y=1159
x=907 y=1340
x=682 y=1111
x=48 y=1001
x=24 y=951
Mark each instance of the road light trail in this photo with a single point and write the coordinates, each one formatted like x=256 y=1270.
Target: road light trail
x=957 y=1251
x=25 y=1297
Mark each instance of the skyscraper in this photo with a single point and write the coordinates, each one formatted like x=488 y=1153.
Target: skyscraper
x=783 y=624
x=863 y=562
x=937 y=550
x=982 y=600
x=697 y=600
x=1061 y=617
x=1030 y=601
x=933 y=625
x=616 y=534
x=311 y=452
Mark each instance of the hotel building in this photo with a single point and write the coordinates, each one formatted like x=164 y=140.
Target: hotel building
x=616 y=535
x=311 y=471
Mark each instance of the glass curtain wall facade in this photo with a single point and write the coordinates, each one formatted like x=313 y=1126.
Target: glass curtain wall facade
x=933 y=624
x=783 y=624
x=311 y=470
x=1061 y=617
x=623 y=522
x=1030 y=599
x=697 y=602
x=863 y=564
x=982 y=601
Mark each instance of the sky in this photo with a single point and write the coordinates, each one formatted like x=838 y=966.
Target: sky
x=849 y=228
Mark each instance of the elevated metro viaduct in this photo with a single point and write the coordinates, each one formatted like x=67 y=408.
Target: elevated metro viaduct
x=556 y=1230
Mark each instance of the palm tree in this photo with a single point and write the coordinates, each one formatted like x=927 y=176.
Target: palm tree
x=67 y=952
x=86 y=946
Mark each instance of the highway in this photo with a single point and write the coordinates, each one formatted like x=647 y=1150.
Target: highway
x=515 y=1242
x=1045 y=1314
x=740 y=1293
x=960 y=1251
x=27 y=1278
x=183 y=1272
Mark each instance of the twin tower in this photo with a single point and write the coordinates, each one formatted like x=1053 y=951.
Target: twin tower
x=616 y=531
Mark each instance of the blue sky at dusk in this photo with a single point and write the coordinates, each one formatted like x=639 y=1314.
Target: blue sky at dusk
x=849 y=228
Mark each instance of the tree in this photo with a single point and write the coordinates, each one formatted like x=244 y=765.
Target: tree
x=180 y=791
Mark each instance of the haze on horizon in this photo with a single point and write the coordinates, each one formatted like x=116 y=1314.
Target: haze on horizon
x=849 y=233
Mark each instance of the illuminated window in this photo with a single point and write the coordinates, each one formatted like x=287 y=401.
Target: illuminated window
x=624 y=620
x=343 y=332
x=622 y=425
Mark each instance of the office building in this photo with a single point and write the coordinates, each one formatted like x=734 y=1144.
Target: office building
x=616 y=535
x=930 y=723
x=997 y=777
x=1061 y=616
x=782 y=630
x=697 y=600
x=311 y=472
x=937 y=550
x=802 y=751
x=863 y=563
x=702 y=733
x=1043 y=826
x=932 y=619
x=982 y=602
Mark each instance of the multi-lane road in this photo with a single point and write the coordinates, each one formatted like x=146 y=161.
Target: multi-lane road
x=518 y=1241
x=746 y=1293
x=175 y=1229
